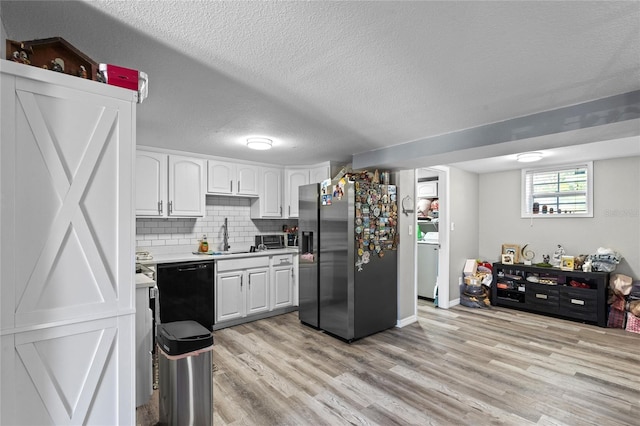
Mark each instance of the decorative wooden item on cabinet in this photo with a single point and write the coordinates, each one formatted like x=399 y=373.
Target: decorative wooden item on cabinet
x=41 y=53
x=575 y=295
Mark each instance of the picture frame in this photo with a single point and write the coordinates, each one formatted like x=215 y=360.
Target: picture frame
x=507 y=259
x=567 y=263
x=513 y=250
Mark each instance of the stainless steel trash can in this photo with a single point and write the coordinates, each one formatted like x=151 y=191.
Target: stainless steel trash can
x=185 y=374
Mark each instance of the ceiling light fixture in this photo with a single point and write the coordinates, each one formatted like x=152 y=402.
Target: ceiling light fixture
x=259 y=143
x=529 y=157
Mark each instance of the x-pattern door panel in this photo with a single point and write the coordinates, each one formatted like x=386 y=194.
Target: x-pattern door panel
x=67 y=232
x=69 y=212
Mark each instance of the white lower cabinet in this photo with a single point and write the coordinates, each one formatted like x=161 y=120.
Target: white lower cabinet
x=257 y=291
x=282 y=279
x=254 y=286
x=229 y=296
x=242 y=287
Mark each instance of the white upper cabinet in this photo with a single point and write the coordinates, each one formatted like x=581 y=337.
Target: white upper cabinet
x=269 y=203
x=319 y=173
x=427 y=189
x=293 y=180
x=151 y=183
x=296 y=177
x=220 y=177
x=225 y=178
x=247 y=180
x=186 y=186
x=169 y=185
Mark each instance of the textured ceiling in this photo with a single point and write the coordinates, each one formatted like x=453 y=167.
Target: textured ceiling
x=327 y=80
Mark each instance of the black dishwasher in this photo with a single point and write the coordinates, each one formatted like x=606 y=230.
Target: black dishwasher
x=185 y=292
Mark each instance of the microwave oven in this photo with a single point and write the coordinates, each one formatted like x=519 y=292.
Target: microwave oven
x=270 y=241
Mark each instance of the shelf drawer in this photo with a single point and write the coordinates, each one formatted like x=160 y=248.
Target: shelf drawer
x=579 y=303
x=282 y=260
x=509 y=296
x=543 y=298
x=242 y=263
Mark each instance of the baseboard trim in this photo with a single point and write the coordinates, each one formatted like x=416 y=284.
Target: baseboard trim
x=406 y=321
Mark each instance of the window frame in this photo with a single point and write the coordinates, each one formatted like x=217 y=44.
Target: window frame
x=525 y=201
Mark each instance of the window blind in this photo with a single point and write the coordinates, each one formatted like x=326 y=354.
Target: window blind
x=560 y=191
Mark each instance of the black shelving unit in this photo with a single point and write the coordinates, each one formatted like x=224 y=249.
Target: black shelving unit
x=549 y=291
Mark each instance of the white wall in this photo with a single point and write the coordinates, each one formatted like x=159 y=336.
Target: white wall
x=405 y=180
x=3 y=40
x=160 y=235
x=464 y=229
x=616 y=221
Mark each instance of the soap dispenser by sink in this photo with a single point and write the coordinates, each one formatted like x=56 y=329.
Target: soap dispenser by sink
x=204 y=245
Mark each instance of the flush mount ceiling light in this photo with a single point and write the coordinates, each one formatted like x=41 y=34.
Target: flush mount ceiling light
x=259 y=143
x=529 y=157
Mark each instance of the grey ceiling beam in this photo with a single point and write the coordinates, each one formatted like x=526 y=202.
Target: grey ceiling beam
x=617 y=116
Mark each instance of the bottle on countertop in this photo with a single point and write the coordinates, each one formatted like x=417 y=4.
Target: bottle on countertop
x=204 y=245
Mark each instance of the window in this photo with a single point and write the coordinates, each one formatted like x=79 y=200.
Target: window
x=564 y=191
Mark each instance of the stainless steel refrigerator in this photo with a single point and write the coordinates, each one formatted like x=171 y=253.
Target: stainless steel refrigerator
x=348 y=257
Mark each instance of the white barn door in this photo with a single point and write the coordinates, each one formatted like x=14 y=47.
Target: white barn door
x=66 y=254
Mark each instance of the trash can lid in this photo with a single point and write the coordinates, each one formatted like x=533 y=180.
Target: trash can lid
x=181 y=337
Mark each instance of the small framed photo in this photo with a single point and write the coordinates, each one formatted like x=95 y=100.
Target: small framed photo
x=567 y=263
x=507 y=259
x=513 y=250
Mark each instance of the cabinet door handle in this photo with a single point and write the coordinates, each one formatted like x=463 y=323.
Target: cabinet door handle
x=577 y=302
x=170 y=207
x=280 y=210
x=238 y=187
x=230 y=186
x=289 y=210
x=241 y=283
x=160 y=207
x=541 y=296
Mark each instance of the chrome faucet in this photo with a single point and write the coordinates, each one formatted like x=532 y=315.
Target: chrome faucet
x=225 y=235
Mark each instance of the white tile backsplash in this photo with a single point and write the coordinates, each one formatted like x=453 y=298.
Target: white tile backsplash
x=184 y=234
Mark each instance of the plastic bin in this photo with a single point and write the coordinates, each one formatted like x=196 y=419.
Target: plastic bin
x=185 y=380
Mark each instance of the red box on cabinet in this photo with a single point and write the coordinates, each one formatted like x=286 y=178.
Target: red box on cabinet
x=120 y=76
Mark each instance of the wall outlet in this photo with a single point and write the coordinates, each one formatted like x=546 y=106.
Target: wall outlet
x=410 y=230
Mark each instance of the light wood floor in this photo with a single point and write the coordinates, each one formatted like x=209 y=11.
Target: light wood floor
x=452 y=367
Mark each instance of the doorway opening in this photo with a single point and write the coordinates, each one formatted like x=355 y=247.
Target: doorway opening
x=432 y=239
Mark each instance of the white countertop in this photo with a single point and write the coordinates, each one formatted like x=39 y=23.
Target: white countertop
x=144 y=281
x=190 y=257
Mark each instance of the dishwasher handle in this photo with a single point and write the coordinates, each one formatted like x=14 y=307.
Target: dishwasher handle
x=192 y=267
